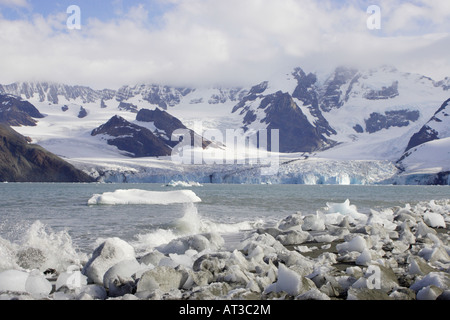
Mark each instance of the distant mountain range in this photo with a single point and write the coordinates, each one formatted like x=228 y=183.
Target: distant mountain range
x=376 y=114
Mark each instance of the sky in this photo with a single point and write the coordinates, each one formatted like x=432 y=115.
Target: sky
x=216 y=42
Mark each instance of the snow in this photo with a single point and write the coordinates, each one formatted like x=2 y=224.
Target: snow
x=428 y=158
x=135 y=196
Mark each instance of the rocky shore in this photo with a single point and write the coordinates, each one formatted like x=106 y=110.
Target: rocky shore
x=400 y=253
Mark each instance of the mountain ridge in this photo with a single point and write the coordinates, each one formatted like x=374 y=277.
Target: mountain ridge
x=349 y=114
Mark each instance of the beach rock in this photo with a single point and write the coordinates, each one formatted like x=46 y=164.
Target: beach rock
x=214 y=263
x=109 y=253
x=164 y=279
x=419 y=266
x=152 y=258
x=121 y=272
x=313 y=294
x=403 y=294
x=367 y=294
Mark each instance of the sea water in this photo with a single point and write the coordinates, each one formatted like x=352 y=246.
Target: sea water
x=58 y=218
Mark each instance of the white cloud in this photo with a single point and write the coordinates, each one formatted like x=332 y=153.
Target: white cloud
x=14 y=3
x=225 y=41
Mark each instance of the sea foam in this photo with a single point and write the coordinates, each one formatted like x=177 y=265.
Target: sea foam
x=137 y=197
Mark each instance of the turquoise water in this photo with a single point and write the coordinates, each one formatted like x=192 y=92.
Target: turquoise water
x=63 y=207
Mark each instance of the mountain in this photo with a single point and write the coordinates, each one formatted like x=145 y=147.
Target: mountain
x=16 y=112
x=437 y=127
x=24 y=162
x=165 y=125
x=53 y=92
x=348 y=114
x=133 y=139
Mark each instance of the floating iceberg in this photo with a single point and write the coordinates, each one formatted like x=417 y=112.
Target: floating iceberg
x=136 y=196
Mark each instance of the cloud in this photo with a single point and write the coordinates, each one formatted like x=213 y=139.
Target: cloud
x=230 y=42
x=15 y=3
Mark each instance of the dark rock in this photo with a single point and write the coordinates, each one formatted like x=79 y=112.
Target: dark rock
x=24 y=162
x=16 y=112
x=428 y=132
x=333 y=97
x=307 y=92
x=399 y=118
x=83 y=113
x=166 y=125
x=123 y=106
x=296 y=133
x=137 y=141
x=384 y=93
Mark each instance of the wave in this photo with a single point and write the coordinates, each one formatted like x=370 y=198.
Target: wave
x=137 y=197
x=191 y=223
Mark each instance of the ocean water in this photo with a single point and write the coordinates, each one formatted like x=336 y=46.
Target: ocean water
x=57 y=216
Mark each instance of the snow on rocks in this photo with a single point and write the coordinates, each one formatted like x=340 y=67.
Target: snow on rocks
x=338 y=253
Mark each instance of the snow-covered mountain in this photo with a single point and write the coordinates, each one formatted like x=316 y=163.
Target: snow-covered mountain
x=348 y=115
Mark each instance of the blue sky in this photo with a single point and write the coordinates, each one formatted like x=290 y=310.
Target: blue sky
x=239 y=42
x=100 y=9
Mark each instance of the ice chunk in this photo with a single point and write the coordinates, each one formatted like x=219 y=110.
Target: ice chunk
x=346 y=209
x=364 y=258
x=122 y=270
x=429 y=293
x=434 y=220
x=358 y=244
x=313 y=223
x=37 y=285
x=13 y=280
x=438 y=279
x=109 y=253
x=290 y=282
x=72 y=279
x=136 y=196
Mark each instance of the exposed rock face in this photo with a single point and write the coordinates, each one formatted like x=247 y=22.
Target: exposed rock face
x=400 y=118
x=308 y=93
x=23 y=162
x=137 y=141
x=166 y=125
x=162 y=96
x=16 y=112
x=333 y=95
x=281 y=112
x=436 y=128
x=52 y=91
x=83 y=113
x=128 y=107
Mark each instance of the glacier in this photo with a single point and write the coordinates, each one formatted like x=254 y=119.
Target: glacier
x=293 y=171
